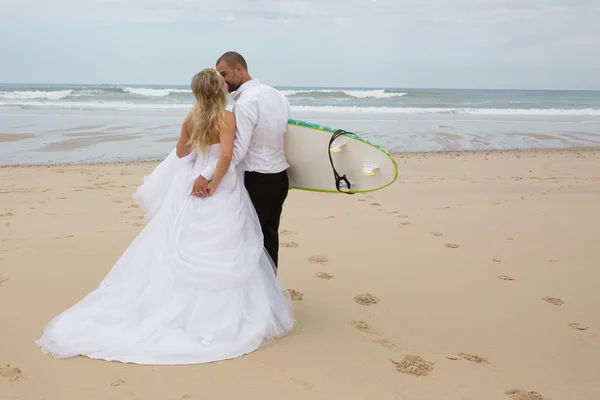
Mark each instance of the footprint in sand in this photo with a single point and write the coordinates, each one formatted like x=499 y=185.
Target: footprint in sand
x=506 y=278
x=118 y=382
x=134 y=206
x=125 y=211
x=362 y=326
x=574 y=325
x=117 y=201
x=10 y=373
x=3 y=279
x=496 y=260
x=413 y=365
x=385 y=343
x=437 y=233
x=7 y=214
x=405 y=223
x=554 y=301
x=376 y=204
x=402 y=216
x=287 y=233
x=318 y=259
x=289 y=244
x=295 y=295
x=186 y=397
x=362 y=199
x=324 y=275
x=366 y=299
x=61 y=198
x=136 y=224
x=518 y=394
x=451 y=245
x=474 y=358
x=365 y=328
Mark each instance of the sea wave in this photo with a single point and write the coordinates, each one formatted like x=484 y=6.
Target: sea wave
x=122 y=105
x=418 y=110
x=358 y=94
x=98 y=93
x=35 y=94
x=154 y=92
x=96 y=105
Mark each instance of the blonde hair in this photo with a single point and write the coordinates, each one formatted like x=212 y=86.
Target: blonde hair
x=208 y=114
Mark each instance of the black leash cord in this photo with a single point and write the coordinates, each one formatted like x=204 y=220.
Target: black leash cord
x=338 y=178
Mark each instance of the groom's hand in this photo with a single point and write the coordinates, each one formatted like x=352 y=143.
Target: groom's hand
x=200 y=187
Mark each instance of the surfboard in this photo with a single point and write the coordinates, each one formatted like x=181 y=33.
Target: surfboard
x=367 y=166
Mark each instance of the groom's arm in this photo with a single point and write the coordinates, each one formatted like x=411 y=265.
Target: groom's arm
x=245 y=122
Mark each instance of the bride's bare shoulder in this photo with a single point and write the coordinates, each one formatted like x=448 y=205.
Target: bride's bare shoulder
x=229 y=117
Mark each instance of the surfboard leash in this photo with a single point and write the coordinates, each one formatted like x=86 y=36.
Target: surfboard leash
x=342 y=183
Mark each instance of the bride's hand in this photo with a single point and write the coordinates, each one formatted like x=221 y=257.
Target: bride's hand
x=200 y=187
x=210 y=189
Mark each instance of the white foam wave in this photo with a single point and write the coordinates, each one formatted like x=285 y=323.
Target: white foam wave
x=310 y=109
x=376 y=94
x=154 y=92
x=474 y=111
x=359 y=94
x=293 y=92
x=37 y=94
x=99 y=105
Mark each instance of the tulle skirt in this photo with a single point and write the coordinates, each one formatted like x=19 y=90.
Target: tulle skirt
x=195 y=286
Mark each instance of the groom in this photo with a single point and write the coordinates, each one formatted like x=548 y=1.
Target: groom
x=261 y=114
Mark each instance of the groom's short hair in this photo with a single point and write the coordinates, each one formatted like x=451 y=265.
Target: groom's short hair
x=233 y=59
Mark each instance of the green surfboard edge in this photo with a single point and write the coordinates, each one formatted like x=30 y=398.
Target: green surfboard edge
x=351 y=135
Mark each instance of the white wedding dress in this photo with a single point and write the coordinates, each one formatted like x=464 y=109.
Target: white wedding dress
x=195 y=285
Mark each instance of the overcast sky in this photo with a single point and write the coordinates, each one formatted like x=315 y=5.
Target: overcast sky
x=524 y=44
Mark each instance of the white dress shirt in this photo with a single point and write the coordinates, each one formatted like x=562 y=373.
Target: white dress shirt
x=261 y=117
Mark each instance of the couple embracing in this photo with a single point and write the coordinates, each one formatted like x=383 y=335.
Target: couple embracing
x=199 y=283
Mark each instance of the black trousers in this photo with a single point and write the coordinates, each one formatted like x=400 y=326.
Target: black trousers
x=268 y=192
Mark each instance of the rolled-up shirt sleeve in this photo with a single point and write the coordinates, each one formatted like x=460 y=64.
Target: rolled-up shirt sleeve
x=245 y=122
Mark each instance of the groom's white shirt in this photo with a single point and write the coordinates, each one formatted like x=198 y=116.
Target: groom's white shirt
x=261 y=118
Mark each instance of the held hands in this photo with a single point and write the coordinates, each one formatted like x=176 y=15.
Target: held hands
x=212 y=186
x=203 y=188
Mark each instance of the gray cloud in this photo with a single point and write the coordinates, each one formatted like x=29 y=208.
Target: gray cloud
x=390 y=43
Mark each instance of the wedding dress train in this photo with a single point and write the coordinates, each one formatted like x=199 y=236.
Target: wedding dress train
x=195 y=286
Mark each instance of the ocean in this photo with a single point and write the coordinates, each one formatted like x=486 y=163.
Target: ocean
x=46 y=124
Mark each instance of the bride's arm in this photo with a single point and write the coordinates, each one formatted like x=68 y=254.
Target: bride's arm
x=226 y=138
x=183 y=148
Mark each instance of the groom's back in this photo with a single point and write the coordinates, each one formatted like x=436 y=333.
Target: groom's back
x=264 y=110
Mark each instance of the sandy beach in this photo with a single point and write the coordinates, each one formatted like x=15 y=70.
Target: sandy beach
x=474 y=277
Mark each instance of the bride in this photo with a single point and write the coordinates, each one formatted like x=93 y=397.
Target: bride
x=196 y=285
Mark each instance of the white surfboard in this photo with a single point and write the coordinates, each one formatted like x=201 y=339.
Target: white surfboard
x=367 y=166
